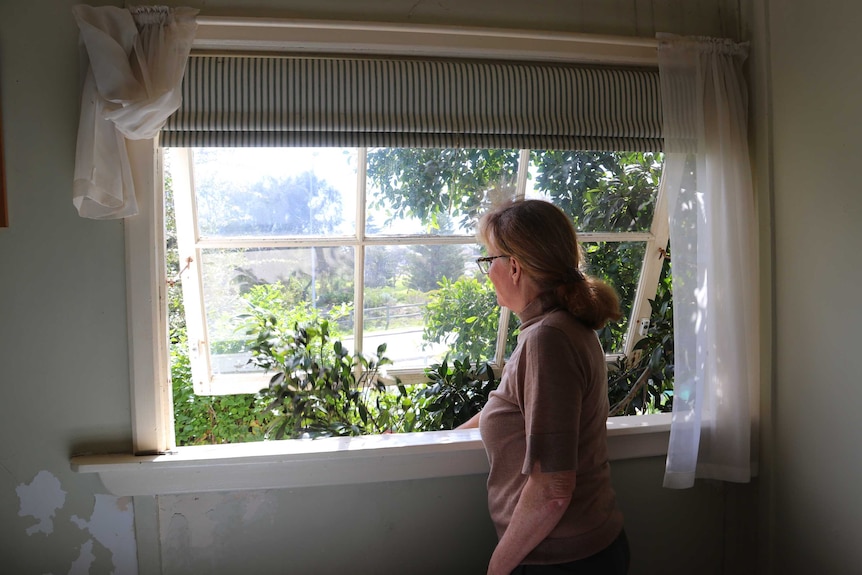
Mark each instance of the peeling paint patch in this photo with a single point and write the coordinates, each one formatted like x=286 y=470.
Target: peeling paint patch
x=197 y=526
x=112 y=525
x=81 y=565
x=192 y=516
x=41 y=499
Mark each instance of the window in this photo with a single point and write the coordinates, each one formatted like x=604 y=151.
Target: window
x=146 y=281
x=308 y=232
x=296 y=230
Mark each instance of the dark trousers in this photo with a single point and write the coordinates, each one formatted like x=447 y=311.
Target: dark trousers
x=612 y=560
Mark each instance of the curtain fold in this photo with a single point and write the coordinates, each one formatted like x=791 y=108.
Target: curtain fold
x=136 y=59
x=714 y=265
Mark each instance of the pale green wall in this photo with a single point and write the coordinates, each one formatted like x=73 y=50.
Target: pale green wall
x=816 y=84
x=64 y=364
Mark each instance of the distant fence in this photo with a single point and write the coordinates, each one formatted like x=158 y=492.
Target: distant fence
x=393 y=313
x=377 y=318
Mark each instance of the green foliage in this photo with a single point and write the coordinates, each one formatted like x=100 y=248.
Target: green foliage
x=644 y=382
x=383 y=265
x=605 y=191
x=401 y=409
x=176 y=311
x=204 y=420
x=464 y=315
x=318 y=388
x=619 y=264
x=602 y=191
x=281 y=301
x=457 y=389
x=428 y=265
x=199 y=419
x=428 y=183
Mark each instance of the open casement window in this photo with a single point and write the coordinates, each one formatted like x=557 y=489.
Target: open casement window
x=349 y=190
x=146 y=281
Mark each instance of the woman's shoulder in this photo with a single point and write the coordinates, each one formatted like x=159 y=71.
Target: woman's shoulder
x=561 y=318
x=559 y=325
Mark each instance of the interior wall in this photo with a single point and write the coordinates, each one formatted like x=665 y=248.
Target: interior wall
x=816 y=59
x=64 y=363
x=755 y=27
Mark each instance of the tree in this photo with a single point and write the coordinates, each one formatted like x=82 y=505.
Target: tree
x=299 y=205
x=464 y=314
x=383 y=265
x=600 y=191
x=427 y=183
x=428 y=265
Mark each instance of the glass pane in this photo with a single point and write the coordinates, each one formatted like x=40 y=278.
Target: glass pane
x=296 y=284
x=424 y=301
x=602 y=191
x=275 y=191
x=435 y=191
x=619 y=264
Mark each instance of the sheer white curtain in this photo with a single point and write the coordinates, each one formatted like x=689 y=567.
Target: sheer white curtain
x=713 y=260
x=136 y=60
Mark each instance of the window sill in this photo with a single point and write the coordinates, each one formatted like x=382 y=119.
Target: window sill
x=334 y=461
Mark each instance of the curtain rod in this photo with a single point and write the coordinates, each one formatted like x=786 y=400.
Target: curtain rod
x=228 y=34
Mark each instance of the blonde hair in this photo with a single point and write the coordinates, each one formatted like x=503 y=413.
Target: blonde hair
x=543 y=240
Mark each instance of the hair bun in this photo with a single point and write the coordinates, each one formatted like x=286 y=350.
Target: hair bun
x=572 y=275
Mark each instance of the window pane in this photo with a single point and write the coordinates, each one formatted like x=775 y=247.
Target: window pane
x=435 y=191
x=602 y=191
x=296 y=284
x=415 y=298
x=619 y=264
x=275 y=191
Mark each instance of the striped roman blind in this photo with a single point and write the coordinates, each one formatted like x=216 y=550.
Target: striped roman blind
x=305 y=101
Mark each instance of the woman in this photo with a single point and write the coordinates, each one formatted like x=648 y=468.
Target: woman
x=544 y=428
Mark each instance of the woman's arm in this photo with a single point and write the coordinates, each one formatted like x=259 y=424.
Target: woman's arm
x=470 y=423
x=541 y=506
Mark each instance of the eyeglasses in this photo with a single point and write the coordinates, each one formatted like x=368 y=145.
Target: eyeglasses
x=485 y=263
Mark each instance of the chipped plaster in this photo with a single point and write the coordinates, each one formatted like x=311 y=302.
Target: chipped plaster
x=112 y=525
x=41 y=499
x=81 y=565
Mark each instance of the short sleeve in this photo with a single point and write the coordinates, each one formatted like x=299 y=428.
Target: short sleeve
x=554 y=383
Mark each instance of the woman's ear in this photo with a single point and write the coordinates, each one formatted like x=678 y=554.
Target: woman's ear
x=515 y=270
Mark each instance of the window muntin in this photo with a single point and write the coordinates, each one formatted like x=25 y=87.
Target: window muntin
x=407 y=250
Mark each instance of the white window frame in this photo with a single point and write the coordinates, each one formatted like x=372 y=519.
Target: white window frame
x=157 y=466
x=191 y=247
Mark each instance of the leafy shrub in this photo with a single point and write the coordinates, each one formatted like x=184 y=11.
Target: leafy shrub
x=643 y=383
x=203 y=419
x=281 y=302
x=318 y=388
x=456 y=391
x=464 y=315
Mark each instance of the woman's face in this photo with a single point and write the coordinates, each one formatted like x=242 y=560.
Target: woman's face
x=500 y=274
